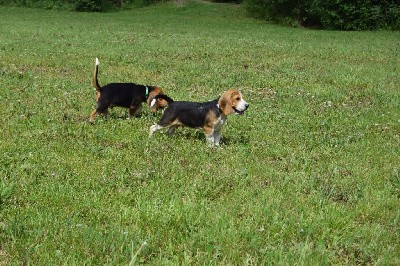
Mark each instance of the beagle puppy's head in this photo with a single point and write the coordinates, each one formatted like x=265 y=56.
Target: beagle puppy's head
x=154 y=102
x=232 y=101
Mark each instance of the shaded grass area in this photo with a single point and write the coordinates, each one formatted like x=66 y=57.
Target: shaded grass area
x=309 y=175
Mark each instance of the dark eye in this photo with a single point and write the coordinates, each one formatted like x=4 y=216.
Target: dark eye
x=237 y=98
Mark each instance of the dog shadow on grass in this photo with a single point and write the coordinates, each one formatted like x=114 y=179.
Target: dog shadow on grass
x=235 y=140
x=69 y=117
x=198 y=135
x=182 y=132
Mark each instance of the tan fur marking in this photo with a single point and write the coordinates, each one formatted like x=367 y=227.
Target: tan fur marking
x=176 y=122
x=162 y=103
x=152 y=95
x=235 y=98
x=228 y=100
x=207 y=129
x=210 y=119
x=92 y=116
x=97 y=96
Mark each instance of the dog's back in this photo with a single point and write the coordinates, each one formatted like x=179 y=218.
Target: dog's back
x=122 y=94
x=191 y=114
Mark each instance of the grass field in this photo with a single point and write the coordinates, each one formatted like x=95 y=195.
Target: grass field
x=310 y=175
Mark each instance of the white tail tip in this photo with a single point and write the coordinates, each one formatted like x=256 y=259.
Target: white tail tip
x=97 y=61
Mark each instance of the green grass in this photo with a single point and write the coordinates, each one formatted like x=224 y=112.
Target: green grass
x=309 y=176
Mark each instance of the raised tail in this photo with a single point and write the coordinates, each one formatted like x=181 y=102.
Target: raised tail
x=96 y=70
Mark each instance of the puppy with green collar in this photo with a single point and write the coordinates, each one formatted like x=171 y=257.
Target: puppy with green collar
x=127 y=95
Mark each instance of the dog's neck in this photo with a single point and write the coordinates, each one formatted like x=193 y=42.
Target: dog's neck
x=223 y=116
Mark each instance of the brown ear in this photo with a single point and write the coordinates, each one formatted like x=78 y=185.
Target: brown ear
x=225 y=103
x=154 y=92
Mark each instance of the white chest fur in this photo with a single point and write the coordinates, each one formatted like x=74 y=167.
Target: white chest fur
x=219 y=122
x=215 y=136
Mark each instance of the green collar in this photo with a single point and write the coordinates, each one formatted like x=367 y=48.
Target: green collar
x=147 y=92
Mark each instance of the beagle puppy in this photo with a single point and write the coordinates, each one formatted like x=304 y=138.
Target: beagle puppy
x=128 y=95
x=208 y=116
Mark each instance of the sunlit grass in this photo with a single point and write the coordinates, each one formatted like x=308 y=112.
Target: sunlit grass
x=309 y=175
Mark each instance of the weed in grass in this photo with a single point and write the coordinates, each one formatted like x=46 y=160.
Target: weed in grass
x=5 y=192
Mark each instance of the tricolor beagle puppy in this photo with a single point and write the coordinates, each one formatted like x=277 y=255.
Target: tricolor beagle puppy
x=128 y=95
x=209 y=116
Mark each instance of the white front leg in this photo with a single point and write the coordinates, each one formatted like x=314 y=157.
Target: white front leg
x=217 y=136
x=210 y=138
x=217 y=129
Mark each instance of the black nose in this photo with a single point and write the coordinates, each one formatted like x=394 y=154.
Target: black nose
x=247 y=105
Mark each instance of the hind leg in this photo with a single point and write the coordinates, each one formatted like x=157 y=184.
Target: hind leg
x=171 y=130
x=98 y=111
x=154 y=128
x=135 y=110
x=167 y=120
x=92 y=116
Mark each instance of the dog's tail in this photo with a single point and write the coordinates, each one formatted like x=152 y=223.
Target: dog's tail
x=161 y=96
x=95 y=81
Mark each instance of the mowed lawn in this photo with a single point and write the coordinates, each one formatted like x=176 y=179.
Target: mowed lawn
x=309 y=175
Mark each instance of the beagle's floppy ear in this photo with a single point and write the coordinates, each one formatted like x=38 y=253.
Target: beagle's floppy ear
x=225 y=103
x=151 y=101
